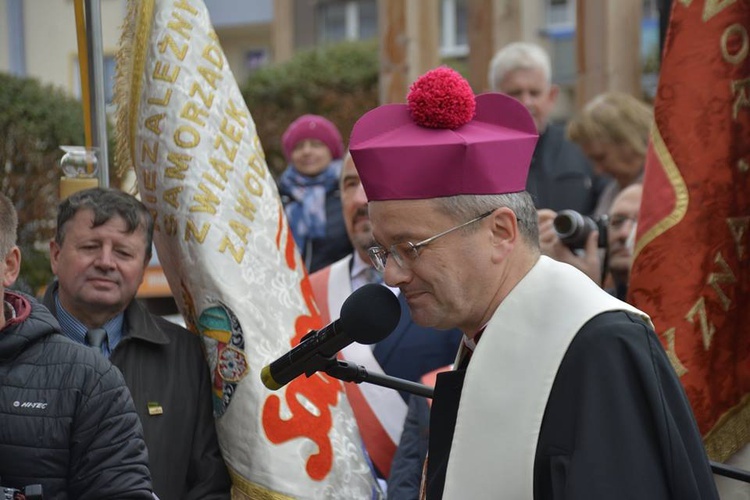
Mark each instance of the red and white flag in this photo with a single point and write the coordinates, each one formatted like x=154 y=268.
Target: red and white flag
x=229 y=257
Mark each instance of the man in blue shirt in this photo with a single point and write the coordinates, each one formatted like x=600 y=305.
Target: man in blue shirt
x=99 y=255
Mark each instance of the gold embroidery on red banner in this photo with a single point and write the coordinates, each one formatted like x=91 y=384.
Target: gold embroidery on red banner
x=730 y=433
x=741 y=99
x=680 y=193
x=738 y=228
x=728 y=41
x=726 y=277
x=713 y=7
x=707 y=328
x=679 y=368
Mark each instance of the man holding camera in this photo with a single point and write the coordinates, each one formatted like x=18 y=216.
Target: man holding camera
x=572 y=238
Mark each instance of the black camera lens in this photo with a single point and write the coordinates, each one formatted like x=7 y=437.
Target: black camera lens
x=573 y=229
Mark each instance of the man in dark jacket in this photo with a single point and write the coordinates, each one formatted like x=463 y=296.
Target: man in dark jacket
x=54 y=397
x=560 y=176
x=99 y=255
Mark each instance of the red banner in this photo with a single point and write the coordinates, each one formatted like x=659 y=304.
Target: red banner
x=690 y=272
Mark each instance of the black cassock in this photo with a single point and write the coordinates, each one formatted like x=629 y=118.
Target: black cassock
x=617 y=423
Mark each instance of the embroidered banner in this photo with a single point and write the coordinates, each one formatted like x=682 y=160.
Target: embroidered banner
x=690 y=272
x=229 y=256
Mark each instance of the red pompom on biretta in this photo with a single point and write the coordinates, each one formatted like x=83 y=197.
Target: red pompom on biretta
x=441 y=98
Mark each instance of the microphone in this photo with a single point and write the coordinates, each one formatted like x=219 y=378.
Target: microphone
x=367 y=316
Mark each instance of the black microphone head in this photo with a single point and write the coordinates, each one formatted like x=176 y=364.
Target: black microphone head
x=370 y=314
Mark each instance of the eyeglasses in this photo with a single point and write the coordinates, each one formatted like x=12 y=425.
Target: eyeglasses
x=407 y=252
x=618 y=221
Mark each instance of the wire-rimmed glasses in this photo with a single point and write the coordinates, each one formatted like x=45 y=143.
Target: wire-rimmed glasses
x=407 y=252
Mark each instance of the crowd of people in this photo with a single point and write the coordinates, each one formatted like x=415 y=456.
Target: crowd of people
x=547 y=384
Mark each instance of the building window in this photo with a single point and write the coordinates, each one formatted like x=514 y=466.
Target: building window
x=454 y=27
x=560 y=13
x=650 y=9
x=358 y=20
x=333 y=22
x=650 y=45
x=347 y=20
x=255 y=58
x=109 y=79
x=560 y=22
x=368 y=20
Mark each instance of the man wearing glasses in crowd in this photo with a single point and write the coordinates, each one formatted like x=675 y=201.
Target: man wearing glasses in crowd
x=621 y=226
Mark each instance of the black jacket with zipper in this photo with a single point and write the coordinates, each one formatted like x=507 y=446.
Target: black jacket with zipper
x=167 y=374
x=67 y=421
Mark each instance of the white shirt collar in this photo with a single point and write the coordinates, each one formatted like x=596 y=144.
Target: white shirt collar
x=8 y=311
x=358 y=276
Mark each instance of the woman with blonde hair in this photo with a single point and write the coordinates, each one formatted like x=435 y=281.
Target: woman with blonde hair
x=613 y=131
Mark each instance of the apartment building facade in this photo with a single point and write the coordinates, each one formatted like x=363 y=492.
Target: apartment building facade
x=38 y=39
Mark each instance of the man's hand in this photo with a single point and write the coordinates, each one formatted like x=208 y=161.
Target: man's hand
x=587 y=260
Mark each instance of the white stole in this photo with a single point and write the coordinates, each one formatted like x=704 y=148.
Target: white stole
x=510 y=376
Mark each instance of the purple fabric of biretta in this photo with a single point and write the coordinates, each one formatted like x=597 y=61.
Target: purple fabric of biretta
x=398 y=159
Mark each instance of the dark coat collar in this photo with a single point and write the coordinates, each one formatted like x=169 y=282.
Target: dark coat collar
x=139 y=323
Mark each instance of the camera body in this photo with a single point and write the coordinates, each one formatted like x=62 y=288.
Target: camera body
x=573 y=229
x=31 y=492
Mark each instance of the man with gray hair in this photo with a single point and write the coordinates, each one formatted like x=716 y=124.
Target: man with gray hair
x=67 y=422
x=560 y=176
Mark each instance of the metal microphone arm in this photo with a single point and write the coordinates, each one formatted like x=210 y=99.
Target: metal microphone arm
x=351 y=372
x=730 y=471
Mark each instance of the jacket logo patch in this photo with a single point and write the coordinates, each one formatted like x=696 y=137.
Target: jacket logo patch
x=32 y=405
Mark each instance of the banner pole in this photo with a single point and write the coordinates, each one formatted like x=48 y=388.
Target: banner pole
x=96 y=65
x=83 y=68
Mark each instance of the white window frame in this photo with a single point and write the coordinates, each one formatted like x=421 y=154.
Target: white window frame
x=560 y=16
x=449 y=47
x=351 y=20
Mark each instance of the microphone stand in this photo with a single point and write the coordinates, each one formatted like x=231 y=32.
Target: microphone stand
x=351 y=372
x=730 y=471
